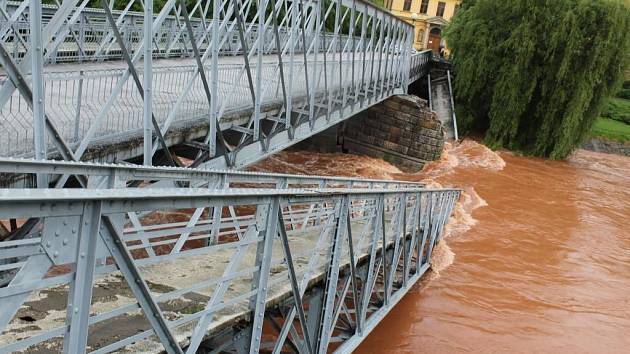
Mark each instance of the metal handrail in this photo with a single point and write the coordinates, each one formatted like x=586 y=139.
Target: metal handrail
x=81 y=44
x=128 y=172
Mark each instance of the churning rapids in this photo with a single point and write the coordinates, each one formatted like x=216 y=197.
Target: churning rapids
x=536 y=257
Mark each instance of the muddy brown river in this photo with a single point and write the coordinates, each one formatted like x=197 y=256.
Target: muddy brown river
x=536 y=258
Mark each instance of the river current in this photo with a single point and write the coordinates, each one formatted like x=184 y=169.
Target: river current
x=536 y=257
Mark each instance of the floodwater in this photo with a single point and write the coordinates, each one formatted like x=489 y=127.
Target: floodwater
x=536 y=258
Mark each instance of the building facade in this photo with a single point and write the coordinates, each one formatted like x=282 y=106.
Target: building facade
x=429 y=17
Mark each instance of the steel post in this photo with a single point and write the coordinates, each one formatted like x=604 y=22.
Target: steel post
x=37 y=64
x=148 y=84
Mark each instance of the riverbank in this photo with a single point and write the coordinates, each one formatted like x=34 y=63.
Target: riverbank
x=607 y=146
x=611 y=132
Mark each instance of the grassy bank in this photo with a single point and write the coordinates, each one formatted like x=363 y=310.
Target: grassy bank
x=617 y=109
x=611 y=129
x=614 y=123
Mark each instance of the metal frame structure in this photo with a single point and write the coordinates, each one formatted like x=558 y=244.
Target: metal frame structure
x=99 y=175
x=349 y=256
x=89 y=38
x=277 y=64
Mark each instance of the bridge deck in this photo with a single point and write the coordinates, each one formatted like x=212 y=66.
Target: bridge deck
x=168 y=277
x=441 y=92
x=89 y=101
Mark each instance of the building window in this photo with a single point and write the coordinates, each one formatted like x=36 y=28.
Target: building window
x=407 y=5
x=440 y=9
x=424 y=7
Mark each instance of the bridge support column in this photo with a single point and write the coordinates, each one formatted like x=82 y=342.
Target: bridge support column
x=401 y=130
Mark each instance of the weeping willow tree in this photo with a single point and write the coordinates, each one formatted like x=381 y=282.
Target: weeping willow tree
x=533 y=74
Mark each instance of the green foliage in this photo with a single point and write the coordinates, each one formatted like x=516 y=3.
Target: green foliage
x=611 y=130
x=623 y=93
x=534 y=74
x=617 y=109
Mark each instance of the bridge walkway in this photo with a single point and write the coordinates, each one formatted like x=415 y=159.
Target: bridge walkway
x=442 y=104
x=78 y=92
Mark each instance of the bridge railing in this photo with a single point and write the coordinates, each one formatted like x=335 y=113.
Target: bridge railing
x=20 y=173
x=420 y=64
x=77 y=100
x=88 y=37
x=317 y=268
x=331 y=60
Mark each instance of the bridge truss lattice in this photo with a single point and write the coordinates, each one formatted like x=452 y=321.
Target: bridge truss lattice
x=203 y=258
x=251 y=77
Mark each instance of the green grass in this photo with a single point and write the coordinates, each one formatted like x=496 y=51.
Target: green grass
x=614 y=122
x=617 y=109
x=611 y=129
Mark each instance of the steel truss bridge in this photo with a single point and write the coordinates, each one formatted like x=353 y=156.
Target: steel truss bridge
x=107 y=258
x=257 y=77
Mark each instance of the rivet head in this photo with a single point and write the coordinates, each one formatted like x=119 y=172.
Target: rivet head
x=56 y=254
x=65 y=241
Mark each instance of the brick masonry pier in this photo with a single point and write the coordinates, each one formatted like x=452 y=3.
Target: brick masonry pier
x=401 y=130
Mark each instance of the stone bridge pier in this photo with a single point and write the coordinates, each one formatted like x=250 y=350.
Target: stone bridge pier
x=401 y=130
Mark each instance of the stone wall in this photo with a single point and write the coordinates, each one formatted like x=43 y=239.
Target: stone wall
x=401 y=130
x=607 y=146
